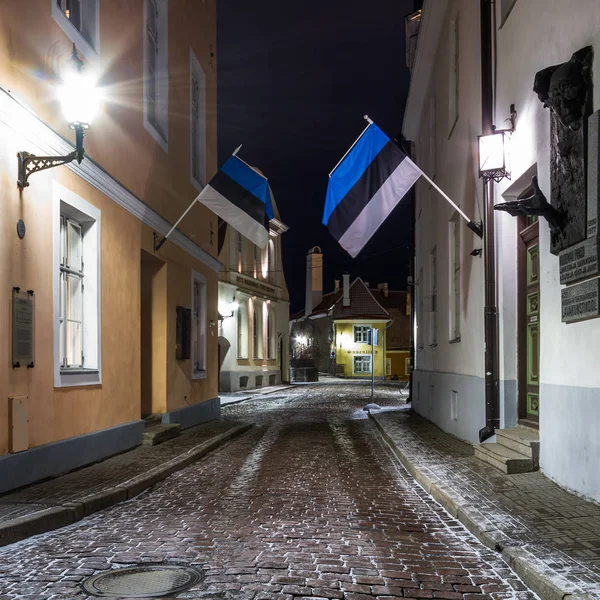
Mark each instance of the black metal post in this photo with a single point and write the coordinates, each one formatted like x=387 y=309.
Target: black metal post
x=492 y=403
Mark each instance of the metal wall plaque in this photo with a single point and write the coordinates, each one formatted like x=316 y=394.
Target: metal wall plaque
x=23 y=321
x=581 y=301
x=579 y=261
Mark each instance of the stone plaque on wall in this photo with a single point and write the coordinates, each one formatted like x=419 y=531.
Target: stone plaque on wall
x=580 y=301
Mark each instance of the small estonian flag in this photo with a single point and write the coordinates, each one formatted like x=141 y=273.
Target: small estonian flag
x=365 y=187
x=241 y=196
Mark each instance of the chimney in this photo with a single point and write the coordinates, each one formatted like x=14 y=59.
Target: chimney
x=346 y=300
x=314 y=279
x=384 y=288
x=337 y=285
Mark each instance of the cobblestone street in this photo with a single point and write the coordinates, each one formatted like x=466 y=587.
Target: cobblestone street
x=309 y=503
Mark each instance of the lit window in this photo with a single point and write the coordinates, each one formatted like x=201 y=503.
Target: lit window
x=362 y=364
x=257 y=334
x=79 y=20
x=198 y=326
x=77 y=290
x=361 y=334
x=198 y=123
x=155 y=71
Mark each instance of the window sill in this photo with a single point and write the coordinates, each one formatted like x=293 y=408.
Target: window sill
x=433 y=345
x=199 y=374
x=77 y=377
x=455 y=340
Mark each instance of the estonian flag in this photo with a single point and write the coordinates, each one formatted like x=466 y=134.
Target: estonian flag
x=365 y=187
x=241 y=196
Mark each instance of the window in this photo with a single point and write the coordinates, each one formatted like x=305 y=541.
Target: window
x=432 y=138
x=79 y=19
x=407 y=366
x=197 y=123
x=453 y=57
x=454 y=277
x=271 y=341
x=257 y=333
x=77 y=356
x=240 y=252
x=271 y=258
x=198 y=326
x=433 y=297
x=155 y=71
x=242 y=330
x=362 y=364
x=361 y=334
x=506 y=7
x=71 y=294
x=420 y=313
x=256 y=260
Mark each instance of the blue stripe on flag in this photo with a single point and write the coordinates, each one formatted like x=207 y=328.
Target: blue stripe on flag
x=250 y=180
x=342 y=180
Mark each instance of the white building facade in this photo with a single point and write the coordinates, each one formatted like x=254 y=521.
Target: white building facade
x=254 y=310
x=547 y=375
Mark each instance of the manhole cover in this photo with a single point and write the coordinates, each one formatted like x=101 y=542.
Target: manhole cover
x=144 y=581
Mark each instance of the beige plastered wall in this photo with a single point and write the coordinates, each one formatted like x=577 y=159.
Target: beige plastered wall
x=120 y=144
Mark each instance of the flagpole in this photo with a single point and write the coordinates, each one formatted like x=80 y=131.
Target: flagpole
x=159 y=245
x=475 y=227
x=366 y=117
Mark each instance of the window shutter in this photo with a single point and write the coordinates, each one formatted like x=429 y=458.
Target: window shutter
x=183 y=333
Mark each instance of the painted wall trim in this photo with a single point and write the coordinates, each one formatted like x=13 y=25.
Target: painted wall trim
x=195 y=414
x=44 y=140
x=49 y=460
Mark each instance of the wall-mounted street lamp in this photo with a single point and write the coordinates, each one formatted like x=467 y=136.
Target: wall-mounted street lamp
x=494 y=152
x=79 y=99
x=232 y=307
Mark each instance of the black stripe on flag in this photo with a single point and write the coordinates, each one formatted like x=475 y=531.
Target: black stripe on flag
x=240 y=196
x=375 y=175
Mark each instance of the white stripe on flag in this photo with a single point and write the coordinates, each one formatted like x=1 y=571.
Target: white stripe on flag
x=380 y=206
x=236 y=217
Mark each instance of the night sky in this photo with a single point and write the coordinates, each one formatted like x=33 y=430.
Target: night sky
x=294 y=81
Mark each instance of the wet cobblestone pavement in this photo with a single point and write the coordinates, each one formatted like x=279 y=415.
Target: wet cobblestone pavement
x=310 y=503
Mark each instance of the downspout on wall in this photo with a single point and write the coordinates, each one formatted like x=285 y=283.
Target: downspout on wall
x=492 y=403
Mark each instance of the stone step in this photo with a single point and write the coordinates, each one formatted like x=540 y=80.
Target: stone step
x=157 y=434
x=152 y=420
x=524 y=440
x=503 y=458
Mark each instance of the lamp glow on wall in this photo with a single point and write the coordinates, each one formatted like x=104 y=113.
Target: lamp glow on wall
x=80 y=99
x=494 y=152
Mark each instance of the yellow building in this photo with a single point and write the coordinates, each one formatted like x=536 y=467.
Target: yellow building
x=332 y=334
x=105 y=329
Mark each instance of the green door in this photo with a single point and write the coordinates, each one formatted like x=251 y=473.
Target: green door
x=533 y=330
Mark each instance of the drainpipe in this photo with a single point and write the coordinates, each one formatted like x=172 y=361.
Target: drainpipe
x=492 y=420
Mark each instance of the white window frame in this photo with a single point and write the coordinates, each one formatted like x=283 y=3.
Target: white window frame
x=454 y=277
x=160 y=130
x=90 y=9
x=362 y=332
x=69 y=204
x=453 y=73
x=362 y=358
x=197 y=123
x=199 y=329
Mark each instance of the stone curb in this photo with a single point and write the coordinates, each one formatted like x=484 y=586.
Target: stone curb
x=545 y=582
x=76 y=509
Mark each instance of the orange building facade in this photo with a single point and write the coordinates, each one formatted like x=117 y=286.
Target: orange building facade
x=107 y=311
